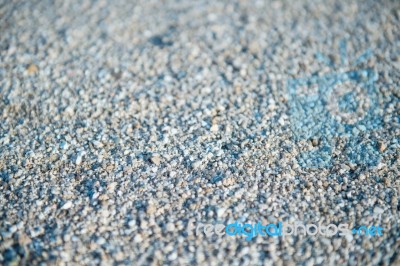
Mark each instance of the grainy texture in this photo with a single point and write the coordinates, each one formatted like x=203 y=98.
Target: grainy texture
x=121 y=122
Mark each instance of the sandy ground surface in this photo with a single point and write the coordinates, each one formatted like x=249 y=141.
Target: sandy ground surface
x=123 y=124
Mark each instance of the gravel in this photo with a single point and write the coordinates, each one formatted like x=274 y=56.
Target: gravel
x=124 y=123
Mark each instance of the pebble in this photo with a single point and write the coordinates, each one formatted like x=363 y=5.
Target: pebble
x=214 y=128
x=32 y=69
x=170 y=227
x=381 y=146
x=111 y=186
x=378 y=210
x=156 y=159
x=197 y=164
x=67 y=205
x=79 y=157
x=173 y=256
